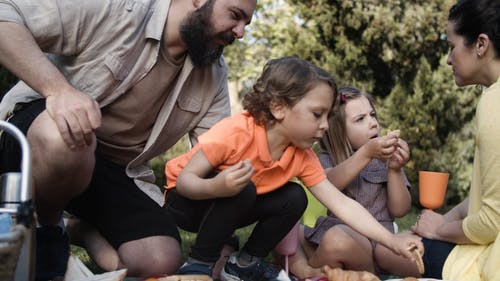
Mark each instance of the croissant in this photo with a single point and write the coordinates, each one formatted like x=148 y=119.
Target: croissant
x=337 y=274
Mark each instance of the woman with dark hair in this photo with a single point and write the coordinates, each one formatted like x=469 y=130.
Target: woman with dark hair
x=464 y=244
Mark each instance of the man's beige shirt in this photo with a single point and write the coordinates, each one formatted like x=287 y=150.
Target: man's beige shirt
x=103 y=48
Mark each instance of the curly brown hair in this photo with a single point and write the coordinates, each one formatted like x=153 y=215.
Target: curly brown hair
x=285 y=81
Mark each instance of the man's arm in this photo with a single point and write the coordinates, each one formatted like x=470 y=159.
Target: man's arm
x=75 y=113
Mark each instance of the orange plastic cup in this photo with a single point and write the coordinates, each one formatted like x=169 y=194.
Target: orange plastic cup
x=432 y=188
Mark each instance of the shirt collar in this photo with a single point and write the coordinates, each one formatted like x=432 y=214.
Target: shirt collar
x=156 y=23
x=265 y=154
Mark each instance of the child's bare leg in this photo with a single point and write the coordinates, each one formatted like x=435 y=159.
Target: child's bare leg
x=298 y=263
x=389 y=262
x=343 y=247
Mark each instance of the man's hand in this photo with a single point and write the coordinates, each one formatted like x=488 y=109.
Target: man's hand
x=76 y=115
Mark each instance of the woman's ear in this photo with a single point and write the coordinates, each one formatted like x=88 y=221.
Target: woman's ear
x=277 y=110
x=482 y=44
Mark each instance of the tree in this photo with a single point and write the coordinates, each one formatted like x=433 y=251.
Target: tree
x=378 y=42
x=436 y=118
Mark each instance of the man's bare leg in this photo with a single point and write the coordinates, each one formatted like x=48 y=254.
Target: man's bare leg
x=58 y=173
x=144 y=257
x=151 y=256
x=99 y=250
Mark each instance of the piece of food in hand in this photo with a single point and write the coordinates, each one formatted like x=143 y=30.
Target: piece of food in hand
x=337 y=274
x=396 y=133
x=418 y=259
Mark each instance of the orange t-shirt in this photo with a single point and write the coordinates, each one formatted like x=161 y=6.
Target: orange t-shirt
x=238 y=138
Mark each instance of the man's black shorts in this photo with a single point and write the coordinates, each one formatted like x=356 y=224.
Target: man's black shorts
x=112 y=203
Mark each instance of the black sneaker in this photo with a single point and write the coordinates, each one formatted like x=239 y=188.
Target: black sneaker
x=52 y=253
x=257 y=271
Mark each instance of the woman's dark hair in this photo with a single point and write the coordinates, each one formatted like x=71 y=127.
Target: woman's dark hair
x=473 y=17
x=284 y=81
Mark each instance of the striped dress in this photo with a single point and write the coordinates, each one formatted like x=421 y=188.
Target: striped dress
x=369 y=188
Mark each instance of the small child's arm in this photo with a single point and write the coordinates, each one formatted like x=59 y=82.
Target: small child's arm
x=398 y=195
x=345 y=172
x=357 y=217
x=193 y=182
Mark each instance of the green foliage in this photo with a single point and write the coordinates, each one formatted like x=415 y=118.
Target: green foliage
x=395 y=50
x=436 y=119
x=378 y=42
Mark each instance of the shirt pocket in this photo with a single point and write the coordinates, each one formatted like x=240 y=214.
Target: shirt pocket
x=101 y=79
x=190 y=102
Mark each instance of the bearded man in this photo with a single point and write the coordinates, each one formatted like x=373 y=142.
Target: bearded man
x=106 y=85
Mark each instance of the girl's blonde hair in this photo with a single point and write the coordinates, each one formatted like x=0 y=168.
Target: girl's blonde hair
x=335 y=140
x=285 y=81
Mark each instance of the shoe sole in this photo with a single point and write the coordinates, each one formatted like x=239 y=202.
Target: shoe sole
x=192 y=277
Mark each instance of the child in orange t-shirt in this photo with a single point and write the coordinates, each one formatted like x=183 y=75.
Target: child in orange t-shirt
x=239 y=174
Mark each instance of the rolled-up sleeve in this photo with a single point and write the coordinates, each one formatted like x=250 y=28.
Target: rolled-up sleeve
x=483 y=222
x=59 y=26
x=9 y=12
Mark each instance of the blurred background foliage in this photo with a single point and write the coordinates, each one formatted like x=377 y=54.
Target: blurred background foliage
x=395 y=50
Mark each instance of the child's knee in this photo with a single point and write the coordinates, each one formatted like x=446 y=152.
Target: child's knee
x=337 y=241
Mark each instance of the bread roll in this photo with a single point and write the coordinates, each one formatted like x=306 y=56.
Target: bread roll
x=396 y=133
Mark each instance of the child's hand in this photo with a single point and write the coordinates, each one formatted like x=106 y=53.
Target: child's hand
x=402 y=244
x=235 y=178
x=401 y=155
x=381 y=147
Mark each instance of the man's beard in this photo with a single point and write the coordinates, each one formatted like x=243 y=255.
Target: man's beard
x=198 y=35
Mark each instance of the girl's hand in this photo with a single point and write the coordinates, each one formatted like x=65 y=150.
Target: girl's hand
x=428 y=223
x=401 y=155
x=235 y=178
x=381 y=147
